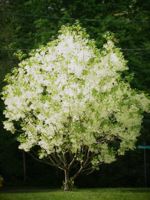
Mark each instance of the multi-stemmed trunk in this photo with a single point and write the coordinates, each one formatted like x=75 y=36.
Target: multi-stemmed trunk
x=66 y=161
x=68 y=183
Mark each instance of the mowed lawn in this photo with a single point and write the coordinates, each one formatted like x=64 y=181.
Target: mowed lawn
x=79 y=194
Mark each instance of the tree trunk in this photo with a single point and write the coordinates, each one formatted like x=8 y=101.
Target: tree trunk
x=68 y=183
x=24 y=166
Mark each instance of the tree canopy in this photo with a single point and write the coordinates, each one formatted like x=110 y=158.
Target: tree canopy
x=71 y=103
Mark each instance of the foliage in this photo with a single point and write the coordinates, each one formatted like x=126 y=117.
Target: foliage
x=30 y=23
x=70 y=102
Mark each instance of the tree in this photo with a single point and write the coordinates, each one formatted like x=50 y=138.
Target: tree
x=68 y=104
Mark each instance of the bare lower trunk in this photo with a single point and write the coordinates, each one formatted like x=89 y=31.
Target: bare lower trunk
x=68 y=183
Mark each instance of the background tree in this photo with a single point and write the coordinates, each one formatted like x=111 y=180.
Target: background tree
x=72 y=105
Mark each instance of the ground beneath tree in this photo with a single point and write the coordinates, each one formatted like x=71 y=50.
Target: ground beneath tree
x=78 y=194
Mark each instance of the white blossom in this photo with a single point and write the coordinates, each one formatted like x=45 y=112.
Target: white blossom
x=69 y=94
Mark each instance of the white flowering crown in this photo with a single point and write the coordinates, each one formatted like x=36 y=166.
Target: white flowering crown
x=69 y=95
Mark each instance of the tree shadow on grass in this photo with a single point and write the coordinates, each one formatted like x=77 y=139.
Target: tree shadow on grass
x=123 y=190
x=137 y=190
x=28 y=190
x=44 y=190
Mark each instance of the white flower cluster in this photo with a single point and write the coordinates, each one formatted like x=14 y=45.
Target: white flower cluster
x=69 y=94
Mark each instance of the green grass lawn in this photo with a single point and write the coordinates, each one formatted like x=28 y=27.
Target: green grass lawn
x=79 y=194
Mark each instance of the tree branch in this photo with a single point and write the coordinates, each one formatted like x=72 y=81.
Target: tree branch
x=39 y=160
x=55 y=161
x=50 y=160
x=82 y=164
x=72 y=161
